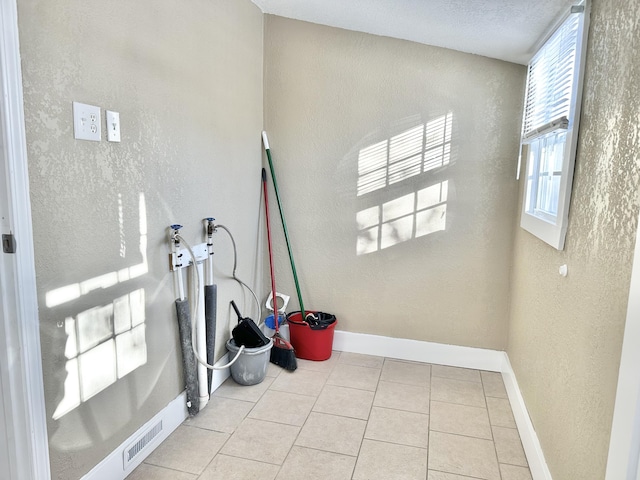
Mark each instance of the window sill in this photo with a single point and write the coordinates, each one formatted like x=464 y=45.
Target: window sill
x=546 y=231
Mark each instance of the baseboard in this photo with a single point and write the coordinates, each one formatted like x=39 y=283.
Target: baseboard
x=419 y=351
x=528 y=436
x=172 y=416
x=111 y=468
x=219 y=376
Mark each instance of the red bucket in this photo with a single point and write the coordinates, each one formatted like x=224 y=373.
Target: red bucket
x=310 y=344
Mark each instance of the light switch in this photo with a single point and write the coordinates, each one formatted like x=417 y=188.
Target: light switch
x=86 y=122
x=113 y=126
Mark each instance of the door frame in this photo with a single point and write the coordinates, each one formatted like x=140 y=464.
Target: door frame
x=22 y=394
x=624 y=446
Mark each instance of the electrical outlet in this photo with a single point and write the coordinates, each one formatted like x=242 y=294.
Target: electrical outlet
x=113 y=126
x=86 y=122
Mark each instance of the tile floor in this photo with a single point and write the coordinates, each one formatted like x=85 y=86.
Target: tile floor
x=352 y=417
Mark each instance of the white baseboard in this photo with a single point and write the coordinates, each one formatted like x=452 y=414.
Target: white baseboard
x=172 y=416
x=528 y=436
x=419 y=351
x=219 y=376
x=111 y=468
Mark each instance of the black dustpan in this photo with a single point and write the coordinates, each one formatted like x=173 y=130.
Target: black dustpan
x=247 y=332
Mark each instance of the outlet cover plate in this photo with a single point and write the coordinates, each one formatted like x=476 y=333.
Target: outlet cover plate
x=86 y=122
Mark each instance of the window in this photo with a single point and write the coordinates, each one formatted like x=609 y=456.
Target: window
x=550 y=128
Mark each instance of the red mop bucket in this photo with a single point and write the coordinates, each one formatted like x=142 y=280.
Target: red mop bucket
x=312 y=339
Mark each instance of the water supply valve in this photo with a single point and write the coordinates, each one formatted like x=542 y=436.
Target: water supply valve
x=175 y=257
x=211 y=229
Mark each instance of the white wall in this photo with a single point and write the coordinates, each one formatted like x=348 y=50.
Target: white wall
x=337 y=103
x=188 y=85
x=565 y=334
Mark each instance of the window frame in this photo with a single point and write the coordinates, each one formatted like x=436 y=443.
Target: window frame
x=544 y=226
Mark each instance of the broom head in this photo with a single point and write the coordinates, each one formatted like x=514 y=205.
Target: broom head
x=282 y=353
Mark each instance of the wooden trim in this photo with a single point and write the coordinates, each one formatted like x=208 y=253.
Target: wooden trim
x=419 y=351
x=23 y=392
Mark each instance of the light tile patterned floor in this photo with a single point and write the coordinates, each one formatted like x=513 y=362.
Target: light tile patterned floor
x=352 y=417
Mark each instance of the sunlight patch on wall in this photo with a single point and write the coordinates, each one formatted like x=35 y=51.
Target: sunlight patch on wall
x=123 y=244
x=397 y=210
x=431 y=209
x=68 y=293
x=411 y=216
x=104 y=344
x=410 y=153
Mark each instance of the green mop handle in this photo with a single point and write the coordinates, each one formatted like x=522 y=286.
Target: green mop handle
x=265 y=140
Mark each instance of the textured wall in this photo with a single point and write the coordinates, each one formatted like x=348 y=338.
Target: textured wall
x=187 y=81
x=566 y=333
x=410 y=252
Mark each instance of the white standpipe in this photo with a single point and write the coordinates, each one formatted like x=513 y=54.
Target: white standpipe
x=201 y=339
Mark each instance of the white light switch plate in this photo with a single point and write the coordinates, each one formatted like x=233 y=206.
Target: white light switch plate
x=113 y=126
x=86 y=122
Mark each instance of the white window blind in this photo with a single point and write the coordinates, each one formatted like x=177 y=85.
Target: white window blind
x=550 y=82
x=550 y=126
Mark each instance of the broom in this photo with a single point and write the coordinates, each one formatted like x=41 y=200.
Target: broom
x=265 y=141
x=282 y=353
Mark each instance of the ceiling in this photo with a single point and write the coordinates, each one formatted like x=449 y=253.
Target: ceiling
x=504 y=29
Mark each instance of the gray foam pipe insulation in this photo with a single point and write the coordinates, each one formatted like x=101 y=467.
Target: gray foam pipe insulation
x=189 y=364
x=210 y=309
